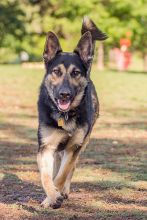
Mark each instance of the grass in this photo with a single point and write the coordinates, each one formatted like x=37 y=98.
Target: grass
x=110 y=180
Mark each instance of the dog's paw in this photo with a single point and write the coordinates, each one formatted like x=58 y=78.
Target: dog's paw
x=54 y=203
x=57 y=203
x=65 y=195
x=45 y=203
x=65 y=191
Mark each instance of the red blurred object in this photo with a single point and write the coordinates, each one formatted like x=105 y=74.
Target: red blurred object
x=127 y=60
x=122 y=59
x=122 y=56
x=125 y=42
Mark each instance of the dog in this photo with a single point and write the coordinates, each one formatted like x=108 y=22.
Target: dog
x=67 y=108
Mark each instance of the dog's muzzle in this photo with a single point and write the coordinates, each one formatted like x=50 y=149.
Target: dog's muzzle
x=64 y=100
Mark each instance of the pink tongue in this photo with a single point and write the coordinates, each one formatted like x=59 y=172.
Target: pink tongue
x=63 y=106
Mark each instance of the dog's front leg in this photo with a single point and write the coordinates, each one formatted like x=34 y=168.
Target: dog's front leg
x=49 y=138
x=45 y=163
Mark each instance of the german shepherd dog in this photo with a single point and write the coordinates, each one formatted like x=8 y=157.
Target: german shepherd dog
x=68 y=108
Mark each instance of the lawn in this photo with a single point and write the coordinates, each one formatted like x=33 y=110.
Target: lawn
x=110 y=179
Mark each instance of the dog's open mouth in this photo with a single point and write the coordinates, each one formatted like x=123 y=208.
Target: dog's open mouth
x=63 y=105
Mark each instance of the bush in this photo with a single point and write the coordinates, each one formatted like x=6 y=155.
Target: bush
x=8 y=56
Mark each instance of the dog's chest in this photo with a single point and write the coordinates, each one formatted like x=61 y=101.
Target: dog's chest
x=69 y=126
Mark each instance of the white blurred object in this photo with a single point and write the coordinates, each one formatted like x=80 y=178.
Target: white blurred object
x=115 y=142
x=24 y=56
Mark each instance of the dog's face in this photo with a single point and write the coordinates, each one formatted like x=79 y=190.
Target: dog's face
x=65 y=78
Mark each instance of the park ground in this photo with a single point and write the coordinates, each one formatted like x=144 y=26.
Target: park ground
x=110 y=180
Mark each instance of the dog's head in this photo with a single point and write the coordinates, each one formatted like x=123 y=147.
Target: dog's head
x=66 y=73
x=65 y=78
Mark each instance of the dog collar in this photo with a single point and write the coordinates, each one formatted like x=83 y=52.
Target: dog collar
x=61 y=122
x=62 y=118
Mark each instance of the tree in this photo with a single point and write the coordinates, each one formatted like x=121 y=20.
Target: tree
x=11 y=23
x=139 y=14
x=130 y=16
x=24 y=24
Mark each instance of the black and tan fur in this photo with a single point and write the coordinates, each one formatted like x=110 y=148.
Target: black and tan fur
x=60 y=146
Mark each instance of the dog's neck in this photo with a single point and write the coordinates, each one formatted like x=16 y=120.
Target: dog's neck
x=56 y=115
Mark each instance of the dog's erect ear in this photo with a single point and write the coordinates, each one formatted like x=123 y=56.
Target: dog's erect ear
x=89 y=25
x=84 y=48
x=52 y=47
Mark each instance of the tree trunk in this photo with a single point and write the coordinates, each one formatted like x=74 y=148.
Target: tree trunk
x=100 y=57
x=145 y=62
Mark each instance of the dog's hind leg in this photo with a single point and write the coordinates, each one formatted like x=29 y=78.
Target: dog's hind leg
x=70 y=157
x=66 y=188
x=57 y=162
x=67 y=164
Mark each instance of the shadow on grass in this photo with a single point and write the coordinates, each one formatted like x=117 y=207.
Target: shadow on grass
x=15 y=190
x=135 y=125
x=138 y=115
x=123 y=157
x=28 y=196
x=101 y=185
x=117 y=199
x=19 y=131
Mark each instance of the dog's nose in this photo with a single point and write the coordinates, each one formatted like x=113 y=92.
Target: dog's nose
x=64 y=94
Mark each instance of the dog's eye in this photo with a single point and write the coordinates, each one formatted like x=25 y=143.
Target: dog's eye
x=75 y=73
x=57 y=72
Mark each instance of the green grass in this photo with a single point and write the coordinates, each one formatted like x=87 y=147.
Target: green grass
x=121 y=90
x=110 y=180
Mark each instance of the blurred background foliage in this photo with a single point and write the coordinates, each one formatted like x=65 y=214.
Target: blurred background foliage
x=24 y=24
